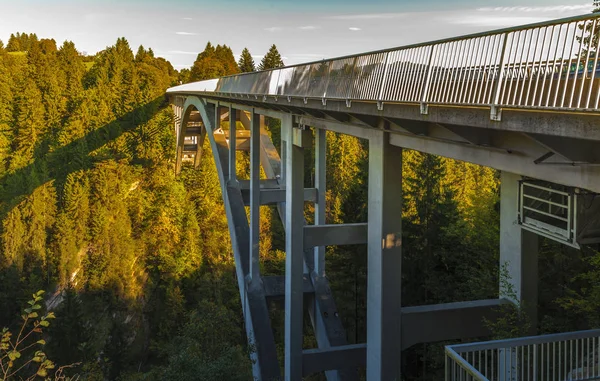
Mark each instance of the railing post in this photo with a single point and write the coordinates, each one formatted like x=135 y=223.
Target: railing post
x=495 y=112
x=425 y=91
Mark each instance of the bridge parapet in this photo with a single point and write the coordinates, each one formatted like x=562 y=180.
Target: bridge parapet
x=550 y=65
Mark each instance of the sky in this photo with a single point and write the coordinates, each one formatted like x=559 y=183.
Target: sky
x=303 y=30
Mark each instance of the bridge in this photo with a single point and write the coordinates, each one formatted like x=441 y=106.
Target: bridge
x=522 y=100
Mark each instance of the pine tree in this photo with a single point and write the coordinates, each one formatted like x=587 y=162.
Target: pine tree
x=225 y=56
x=213 y=63
x=246 y=62
x=30 y=124
x=271 y=60
x=14 y=43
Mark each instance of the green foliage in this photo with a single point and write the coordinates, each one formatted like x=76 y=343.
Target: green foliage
x=512 y=320
x=246 y=62
x=204 y=349
x=21 y=42
x=213 y=63
x=271 y=60
x=20 y=354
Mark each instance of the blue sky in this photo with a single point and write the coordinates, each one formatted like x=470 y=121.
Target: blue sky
x=303 y=30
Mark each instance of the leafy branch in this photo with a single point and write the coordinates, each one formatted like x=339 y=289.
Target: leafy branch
x=22 y=353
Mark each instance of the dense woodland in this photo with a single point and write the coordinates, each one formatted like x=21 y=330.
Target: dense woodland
x=136 y=262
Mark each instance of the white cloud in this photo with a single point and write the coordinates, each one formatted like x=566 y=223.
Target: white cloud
x=187 y=18
x=549 y=8
x=496 y=21
x=186 y=33
x=354 y=29
x=309 y=27
x=274 y=29
x=368 y=16
x=182 y=52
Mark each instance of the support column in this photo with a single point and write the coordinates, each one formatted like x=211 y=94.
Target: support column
x=254 y=194
x=518 y=250
x=180 y=141
x=320 y=185
x=294 y=249
x=384 y=341
x=199 y=147
x=232 y=143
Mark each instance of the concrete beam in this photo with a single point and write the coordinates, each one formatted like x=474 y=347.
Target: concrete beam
x=275 y=286
x=263 y=183
x=449 y=321
x=356 y=130
x=421 y=324
x=276 y=196
x=520 y=160
x=320 y=360
x=190 y=147
x=192 y=131
x=334 y=235
x=574 y=150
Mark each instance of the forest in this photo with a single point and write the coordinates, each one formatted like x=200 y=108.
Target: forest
x=122 y=270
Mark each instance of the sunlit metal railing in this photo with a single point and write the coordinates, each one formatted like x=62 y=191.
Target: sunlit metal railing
x=557 y=357
x=546 y=65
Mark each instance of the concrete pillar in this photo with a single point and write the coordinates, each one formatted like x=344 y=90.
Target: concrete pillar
x=199 y=148
x=180 y=141
x=384 y=341
x=320 y=185
x=294 y=249
x=518 y=250
x=232 y=143
x=254 y=195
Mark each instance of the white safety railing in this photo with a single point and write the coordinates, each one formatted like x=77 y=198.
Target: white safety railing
x=549 y=210
x=558 y=357
x=545 y=65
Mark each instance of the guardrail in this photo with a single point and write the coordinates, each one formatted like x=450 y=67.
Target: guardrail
x=557 y=357
x=550 y=65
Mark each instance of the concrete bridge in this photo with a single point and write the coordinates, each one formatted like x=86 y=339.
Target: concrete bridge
x=522 y=100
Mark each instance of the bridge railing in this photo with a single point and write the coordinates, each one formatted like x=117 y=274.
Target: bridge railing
x=545 y=65
x=558 y=357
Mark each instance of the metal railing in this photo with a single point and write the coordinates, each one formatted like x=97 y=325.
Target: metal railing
x=557 y=357
x=549 y=210
x=545 y=65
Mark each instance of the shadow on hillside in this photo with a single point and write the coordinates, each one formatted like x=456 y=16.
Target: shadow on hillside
x=57 y=165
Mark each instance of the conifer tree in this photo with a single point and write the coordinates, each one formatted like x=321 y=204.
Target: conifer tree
x=246 y=62
x=14 y=43
x=30 y=124
x=271 y=60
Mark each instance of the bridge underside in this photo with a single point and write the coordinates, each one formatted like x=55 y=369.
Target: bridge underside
x=562 y=148
x=305 y=286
